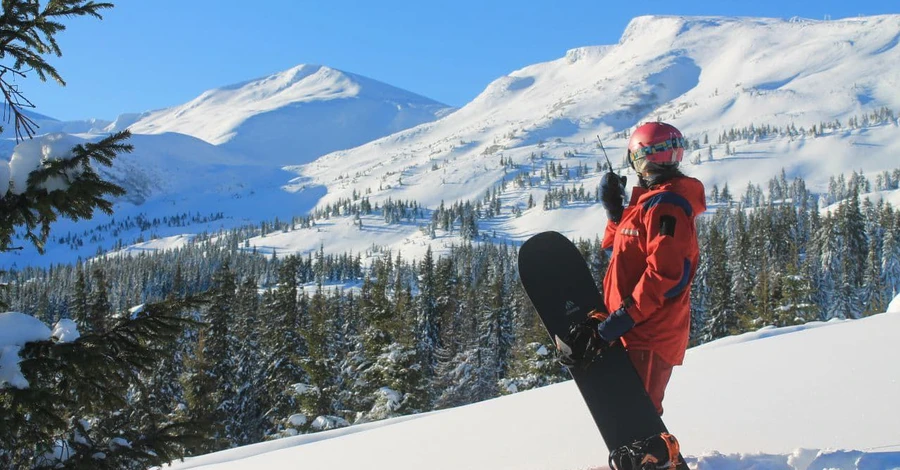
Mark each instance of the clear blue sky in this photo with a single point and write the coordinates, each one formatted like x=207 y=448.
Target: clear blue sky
x=160 y=53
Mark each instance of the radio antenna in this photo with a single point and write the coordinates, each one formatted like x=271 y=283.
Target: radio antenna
x=608 y=163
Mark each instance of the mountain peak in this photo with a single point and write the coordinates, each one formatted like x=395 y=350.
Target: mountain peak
x=309 y=109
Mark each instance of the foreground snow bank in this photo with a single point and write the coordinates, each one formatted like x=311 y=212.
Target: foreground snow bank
x=894 y=307
x=828 y=386
x=801 y=459
x=741 y=403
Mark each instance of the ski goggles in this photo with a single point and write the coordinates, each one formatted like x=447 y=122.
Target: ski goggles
x=644 y=152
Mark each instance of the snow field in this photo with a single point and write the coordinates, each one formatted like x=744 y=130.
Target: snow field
x=798 y=398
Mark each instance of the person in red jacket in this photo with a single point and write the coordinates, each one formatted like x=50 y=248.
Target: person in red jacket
x=652 y=243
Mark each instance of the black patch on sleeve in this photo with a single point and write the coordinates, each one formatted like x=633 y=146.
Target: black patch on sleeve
x=667 y=225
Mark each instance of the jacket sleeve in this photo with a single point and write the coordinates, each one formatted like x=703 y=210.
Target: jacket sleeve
x=609 y=236
x=668 y=219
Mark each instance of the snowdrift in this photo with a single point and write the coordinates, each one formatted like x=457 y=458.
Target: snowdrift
x=793 y=398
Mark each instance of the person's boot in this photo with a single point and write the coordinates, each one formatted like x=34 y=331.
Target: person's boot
x=655 y=452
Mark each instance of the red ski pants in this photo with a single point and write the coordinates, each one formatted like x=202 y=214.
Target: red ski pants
x=654 y=372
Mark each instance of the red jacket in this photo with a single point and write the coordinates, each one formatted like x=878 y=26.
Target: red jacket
x=653 y=260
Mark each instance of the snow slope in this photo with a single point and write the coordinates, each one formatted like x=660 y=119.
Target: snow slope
x=170 y=175
x=295 y=115
x=48 y=125
x=703 y=74
x=755 y=401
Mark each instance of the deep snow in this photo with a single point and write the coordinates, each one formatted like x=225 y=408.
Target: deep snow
x=810 y=397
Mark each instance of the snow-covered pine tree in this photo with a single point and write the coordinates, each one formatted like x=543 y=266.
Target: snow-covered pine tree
x=890 y=256
x=700 y=287
x=828 y=243
x=852 y=227
x=249 y=397
x=722 y=318
x=320 y=389
x=457 y=374
x=390 y=377
x=221 y=352
x=428 y=327
x=98 y=307
x=283 y=347
x=741 y=259
x=30 y=30
x=873 y=293
x=78 y=305
x=794 y=304
x=85 y=407
x=495 y=321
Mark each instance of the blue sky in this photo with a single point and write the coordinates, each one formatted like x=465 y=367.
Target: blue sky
x=149 y=54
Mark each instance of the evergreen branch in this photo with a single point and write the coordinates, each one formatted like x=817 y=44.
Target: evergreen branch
x=14 y=101
x=84 y=191
x=26 y=34
x=93 y=377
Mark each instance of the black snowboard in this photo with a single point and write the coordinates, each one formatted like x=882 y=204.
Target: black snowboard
x=559 y=284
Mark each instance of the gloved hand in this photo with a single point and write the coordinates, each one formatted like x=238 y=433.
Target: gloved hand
x=612 y=195
x=582 y=345
x=589 y=339
x=617 y=323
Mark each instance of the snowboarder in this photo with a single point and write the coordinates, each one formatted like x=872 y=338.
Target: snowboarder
x=652 y=243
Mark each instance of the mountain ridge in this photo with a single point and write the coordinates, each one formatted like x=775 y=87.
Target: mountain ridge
x=309 y=109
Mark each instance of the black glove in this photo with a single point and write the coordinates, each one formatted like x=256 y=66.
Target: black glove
x=612 y=195
x=582 y=345
x=617 y=324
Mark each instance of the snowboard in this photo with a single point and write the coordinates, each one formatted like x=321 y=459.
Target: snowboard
x=559 y=284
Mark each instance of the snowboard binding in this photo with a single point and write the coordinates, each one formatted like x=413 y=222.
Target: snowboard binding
x=660 y=451
x=583 y=344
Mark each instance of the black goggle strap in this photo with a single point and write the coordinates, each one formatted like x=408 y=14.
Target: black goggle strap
x=644 y=152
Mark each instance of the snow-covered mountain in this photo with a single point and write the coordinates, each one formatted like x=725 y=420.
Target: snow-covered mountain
x=706 y=75
x=798 y=398
x=293 y=116
x=49 y=125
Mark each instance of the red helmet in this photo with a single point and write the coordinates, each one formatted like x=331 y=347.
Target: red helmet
x=655 y=142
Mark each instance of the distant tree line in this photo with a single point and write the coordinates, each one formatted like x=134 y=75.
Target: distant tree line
x=114 y=228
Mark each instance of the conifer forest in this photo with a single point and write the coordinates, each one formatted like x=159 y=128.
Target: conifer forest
x=258 y=346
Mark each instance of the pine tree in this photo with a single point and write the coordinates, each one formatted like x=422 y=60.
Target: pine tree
x=201 y=397
x=852 y=229
x=700 y=286
x=794 y=300
x=890 y=257
x=428 y=321
x=319 y=391
x=78 y=306
x=828 y=242
x=283 y=347
x=98 y=307
x=873 y=290
x=495 y=325
x=220 y=352
x=722 y=318
x=88 y=395
x=28 y=31
x=249 y=397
